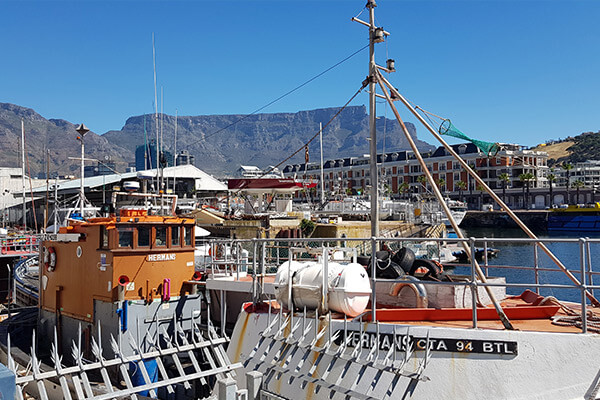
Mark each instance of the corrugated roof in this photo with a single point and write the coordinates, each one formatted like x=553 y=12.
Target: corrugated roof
x=204 y=181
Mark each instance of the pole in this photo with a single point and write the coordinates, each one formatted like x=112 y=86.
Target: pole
x=175 y=151
x=23 y=174
x=155 y=114
x=497 y=199
x=81 y=188
x=322 y=174
x=372 y=115
x=47 y=188
x=55 y=204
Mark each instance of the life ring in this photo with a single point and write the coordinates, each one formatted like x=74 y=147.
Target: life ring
x=50 y=258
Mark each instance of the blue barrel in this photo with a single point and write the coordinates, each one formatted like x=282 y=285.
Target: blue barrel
x=137 y=378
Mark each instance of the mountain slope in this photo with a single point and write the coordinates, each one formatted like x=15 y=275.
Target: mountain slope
x=58 y=136
x=220 y=145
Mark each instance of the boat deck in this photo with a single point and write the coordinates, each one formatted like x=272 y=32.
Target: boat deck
x=532 y=313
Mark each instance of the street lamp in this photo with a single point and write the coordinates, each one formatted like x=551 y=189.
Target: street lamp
x=82 y=130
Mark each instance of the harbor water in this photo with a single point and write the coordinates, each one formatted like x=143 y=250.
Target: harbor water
x=521 y=254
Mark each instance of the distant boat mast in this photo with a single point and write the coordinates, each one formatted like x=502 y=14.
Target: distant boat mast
x=23 y=174
x=156 y=115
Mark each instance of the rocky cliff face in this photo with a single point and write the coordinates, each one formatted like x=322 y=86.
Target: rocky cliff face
x=220 y=145
x=58 y=136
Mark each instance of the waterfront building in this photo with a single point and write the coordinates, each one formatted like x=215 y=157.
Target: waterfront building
x=400 y=172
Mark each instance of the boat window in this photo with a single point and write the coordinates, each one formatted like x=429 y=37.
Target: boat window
x=103 y=237
x=125 y=236
x=143 y=236
x=175 y=240
x=161 y=236
x=187 y=235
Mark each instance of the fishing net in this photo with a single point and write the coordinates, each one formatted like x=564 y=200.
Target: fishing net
x=489 y=148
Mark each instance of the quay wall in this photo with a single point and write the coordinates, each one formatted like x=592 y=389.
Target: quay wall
x=536 y=220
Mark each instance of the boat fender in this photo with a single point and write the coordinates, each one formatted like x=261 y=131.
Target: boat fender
x=432 y=270
x=50 y=258
x=416 y=286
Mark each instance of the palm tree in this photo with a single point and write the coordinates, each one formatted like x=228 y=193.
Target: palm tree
x=568 y=167
x=403 y=189
x=526 y=178
x=461 y=185
x=505 y=179
x=578 y=184
x=440 y=182
x=551 y=179
x=422 y=179
x=481 y=189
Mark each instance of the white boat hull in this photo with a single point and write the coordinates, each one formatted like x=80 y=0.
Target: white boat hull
x=546 y=366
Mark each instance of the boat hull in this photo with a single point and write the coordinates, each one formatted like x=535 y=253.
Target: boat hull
x=501 y=365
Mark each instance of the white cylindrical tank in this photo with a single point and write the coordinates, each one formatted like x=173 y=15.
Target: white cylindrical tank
x=348 y=286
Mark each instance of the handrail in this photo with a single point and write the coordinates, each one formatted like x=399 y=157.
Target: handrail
x=265 y=255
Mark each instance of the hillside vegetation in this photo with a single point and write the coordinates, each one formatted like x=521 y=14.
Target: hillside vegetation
x=575 y=149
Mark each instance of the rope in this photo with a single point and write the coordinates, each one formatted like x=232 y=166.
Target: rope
x=573 y=317
x=322 y=129
x=280 y=97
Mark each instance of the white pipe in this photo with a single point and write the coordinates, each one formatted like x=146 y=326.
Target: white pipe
x=322 y=174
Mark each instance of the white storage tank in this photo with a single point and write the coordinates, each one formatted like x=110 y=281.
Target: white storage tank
x=348 y=286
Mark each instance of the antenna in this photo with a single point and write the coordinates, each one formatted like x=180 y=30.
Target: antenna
x=175 y=152
x=155 y=114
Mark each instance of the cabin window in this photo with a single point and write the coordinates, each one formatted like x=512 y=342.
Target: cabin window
x=175 y=240
x=187 y=235
x=103 y=237
x=125 y=236
x=161 y=236
x=143 y=236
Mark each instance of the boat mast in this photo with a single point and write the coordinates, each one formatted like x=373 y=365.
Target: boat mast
x=322 y=174
x=82 y=130
x=372 y=128
x=23 y=174
x=155 y=115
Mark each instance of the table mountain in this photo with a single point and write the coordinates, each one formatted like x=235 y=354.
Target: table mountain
x=220 y=145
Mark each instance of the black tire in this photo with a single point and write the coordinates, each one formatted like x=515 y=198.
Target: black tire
x=404 y=258
x=433 y=271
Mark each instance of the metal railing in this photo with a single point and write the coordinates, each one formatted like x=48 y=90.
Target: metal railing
x=19 y=245
x=261 y=257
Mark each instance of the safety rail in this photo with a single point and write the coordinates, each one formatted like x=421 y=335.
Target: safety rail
x=261 y=257
x=19 y=245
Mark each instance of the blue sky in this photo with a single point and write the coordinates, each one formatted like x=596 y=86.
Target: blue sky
x=506 y=71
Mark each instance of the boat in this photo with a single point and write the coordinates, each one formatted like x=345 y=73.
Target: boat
x=122 y=293
x=307 y=318
x=575 y=218
x=315 y=320
x=458 y=209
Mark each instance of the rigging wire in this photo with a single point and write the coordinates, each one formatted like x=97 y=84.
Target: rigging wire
x=281 y=97
x=364 y=85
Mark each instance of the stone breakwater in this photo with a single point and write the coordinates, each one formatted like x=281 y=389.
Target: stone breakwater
x=536 y=220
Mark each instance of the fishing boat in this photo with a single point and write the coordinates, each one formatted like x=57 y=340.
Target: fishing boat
x=321 y=322
x=120 y=291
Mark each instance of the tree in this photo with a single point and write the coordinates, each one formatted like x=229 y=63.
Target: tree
x=441 y=182
x=568 y=167
x=526 y=178
x=578 y=184
x=481 y=189
x=505 y=179
x=403 y=189
x=551 y=179
x=422 y=179
x=461 y=185
x=349 y=191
